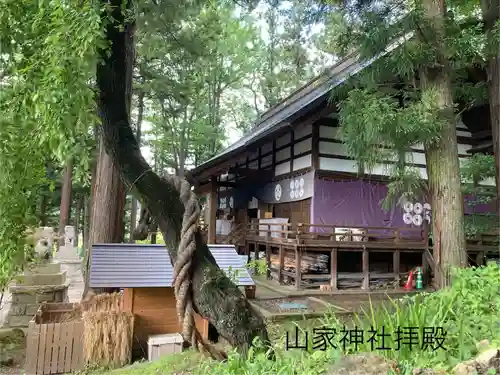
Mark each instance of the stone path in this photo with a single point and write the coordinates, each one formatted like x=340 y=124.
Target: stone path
x=70 y=262
x=74 y=278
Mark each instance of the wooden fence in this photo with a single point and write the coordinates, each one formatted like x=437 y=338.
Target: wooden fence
x=55 y=340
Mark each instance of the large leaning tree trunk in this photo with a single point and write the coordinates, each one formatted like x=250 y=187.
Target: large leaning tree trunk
x=215 y=297
x=491 y=15
x=442 y=159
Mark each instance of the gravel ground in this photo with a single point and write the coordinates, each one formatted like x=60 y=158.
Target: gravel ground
x=11 y=370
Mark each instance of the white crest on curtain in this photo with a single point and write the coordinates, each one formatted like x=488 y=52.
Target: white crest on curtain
x=416 y=213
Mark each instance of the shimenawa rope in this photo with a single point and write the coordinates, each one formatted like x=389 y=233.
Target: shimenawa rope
x=183 y=267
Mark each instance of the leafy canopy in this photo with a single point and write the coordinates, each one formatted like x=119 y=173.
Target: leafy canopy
x=49 y=51
x=384 y=111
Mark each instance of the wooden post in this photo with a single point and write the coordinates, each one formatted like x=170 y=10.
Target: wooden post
x=281 y=264
x=315 y=146
x=268 y=261
x=396 y=235
x=396 y=262
x=298 y=275
x=212 y=212
x=334 y=269
x=480 y=258
x=366 y=271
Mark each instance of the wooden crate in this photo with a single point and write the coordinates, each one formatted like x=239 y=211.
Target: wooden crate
x=54 y=340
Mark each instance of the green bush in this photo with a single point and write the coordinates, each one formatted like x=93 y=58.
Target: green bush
x=468 y=312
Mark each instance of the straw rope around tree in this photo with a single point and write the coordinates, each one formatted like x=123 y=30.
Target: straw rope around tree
x=183 y=268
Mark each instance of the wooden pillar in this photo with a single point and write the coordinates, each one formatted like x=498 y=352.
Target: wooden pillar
x=315 y=146
x=281 y=264
x=298 y=274
x=480 y=258
x=334 y=269
x=366 y=271
x=396 y=262
x=212 y=212
x=268 y=261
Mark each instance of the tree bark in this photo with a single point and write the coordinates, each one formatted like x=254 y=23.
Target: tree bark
x=65 y=207
x=133 y=208
x=78 y=215
x=215 y=296
x=491 y=15
x=106 y=214
x=108 y=201
x=86 y=222
x=442 y=160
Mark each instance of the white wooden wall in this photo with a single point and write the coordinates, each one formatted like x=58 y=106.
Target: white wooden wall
x=292 y=158
x=332 y=153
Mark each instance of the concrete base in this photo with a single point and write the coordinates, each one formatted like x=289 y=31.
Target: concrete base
x=44 y=269
x=45 y=283
x=42 y=279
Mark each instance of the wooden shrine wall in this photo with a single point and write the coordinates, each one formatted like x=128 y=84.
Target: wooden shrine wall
x=297 y=212
x=333 y=155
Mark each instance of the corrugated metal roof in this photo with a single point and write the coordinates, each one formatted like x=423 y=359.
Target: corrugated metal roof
x=145 y=265
x=226 y=256
x=278 y=116
x=130 y=266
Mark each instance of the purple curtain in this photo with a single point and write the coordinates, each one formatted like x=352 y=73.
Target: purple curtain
x=352 y=203
x=358 y=203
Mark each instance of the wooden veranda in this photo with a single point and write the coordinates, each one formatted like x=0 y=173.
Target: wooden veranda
x=288 y=251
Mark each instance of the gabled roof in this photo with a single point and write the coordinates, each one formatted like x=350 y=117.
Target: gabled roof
x=123 y=265
x=287 y=111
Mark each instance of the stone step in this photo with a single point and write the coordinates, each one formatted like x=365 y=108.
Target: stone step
x=45 y=269
x=18 y=321
x=42 y=279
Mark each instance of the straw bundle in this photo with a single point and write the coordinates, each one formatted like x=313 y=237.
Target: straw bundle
x=104 y=302
x=108 y=338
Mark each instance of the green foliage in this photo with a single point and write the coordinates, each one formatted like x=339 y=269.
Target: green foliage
x=474 y=170
x=159 y=239
x=406 y=185
x=375 y=128
x=188 y=79
x=48 y=63
x=480 y=223
x=257 y=267
x=469 y=312
x=477 y=168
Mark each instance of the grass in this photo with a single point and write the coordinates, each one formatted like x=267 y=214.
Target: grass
x=466 y=313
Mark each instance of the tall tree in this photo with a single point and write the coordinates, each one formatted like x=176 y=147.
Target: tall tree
x=214 y=296
x=443 y=169
x=491 y=17
x=192 y=73
x=407 y=98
